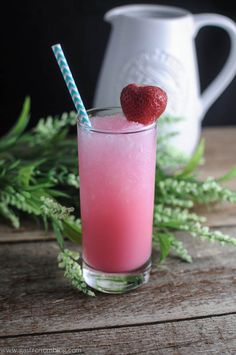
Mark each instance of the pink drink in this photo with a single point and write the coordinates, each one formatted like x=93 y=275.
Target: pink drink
x=117 y=173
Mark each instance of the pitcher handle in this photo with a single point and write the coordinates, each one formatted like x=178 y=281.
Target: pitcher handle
x=227 y=73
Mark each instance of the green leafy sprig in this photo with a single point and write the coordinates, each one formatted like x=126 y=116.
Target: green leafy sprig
x=68 y=261
x=38 y=177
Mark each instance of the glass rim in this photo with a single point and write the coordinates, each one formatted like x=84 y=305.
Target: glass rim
x=92 y=112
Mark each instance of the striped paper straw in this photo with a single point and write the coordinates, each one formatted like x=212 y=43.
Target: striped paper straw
x=68 y=77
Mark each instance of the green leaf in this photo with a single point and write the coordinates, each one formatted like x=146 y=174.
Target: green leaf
x=228 y=176
x=166 y=137
x=10 y=138
x=165 y=240
x=57 y=231
x=173 y=224
x=22 y=121
x=6 y=142
x=179 y=249
x=72 y=231
x=167 y=119
x=160 y=175
x=25 y=174
x=68 y=261
x=57 y=193
x=7 y=213
x=193 y=162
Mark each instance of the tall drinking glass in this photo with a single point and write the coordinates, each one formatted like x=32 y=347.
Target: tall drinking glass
x=117 y=174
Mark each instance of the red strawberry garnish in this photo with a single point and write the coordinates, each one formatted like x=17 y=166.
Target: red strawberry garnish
x=143 y=103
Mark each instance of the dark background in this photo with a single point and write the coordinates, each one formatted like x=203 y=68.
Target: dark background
x=29 y=28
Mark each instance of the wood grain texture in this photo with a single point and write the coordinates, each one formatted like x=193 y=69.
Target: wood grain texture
x=220 y=157
x=27 y=233
x=35 y=297
x=218 y=215
x=220 y=152
x=214 y=335
x=184 y=309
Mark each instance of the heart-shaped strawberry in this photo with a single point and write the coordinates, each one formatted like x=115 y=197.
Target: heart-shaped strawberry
x=143 y=103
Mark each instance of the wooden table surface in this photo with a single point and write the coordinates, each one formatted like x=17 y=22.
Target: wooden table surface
x=184 y=309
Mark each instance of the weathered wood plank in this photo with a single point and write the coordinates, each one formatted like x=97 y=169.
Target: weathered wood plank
x=220 y=156
x=218 y=215
x=27 y=233
x=35 y=297
x=215 y=335
x=220 y=153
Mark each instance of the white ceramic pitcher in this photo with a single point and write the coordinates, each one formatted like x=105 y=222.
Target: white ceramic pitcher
x=152 y=44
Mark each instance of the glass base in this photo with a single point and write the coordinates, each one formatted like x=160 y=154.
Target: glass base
x=116 y=282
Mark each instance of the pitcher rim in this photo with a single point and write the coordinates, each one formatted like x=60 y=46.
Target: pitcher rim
x=126 y=11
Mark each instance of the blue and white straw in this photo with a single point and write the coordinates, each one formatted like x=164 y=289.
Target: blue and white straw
x=63 y=65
